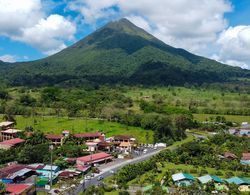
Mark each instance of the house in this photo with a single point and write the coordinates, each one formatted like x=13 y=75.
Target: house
x=56 y=140
x=7 y=144
x=9 y=134
x=125 y=146
x=183 y=179
x=20 y=189
x=123 y=138
x=10 y=169
x=238 y=180
x=6 y=125
x=92 y=146
x=90 y=137
x=230 y=156
x=68 y=174
x=94 y=158
x=48 y=172
x=19 y=176
x=207 y=178
x=245 y=159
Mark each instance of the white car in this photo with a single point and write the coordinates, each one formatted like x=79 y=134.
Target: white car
x=145 y=151
x=87 y=177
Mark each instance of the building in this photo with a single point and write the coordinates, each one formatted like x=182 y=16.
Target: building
x=7 y=144
x=56 y=140
x=208 y=178
x=10 y=169
x=238 y=180
x=90 y=137
x=101 y=157
x=123 y=138
x=230 y=156
x=6 y=125
x=245 y=159
x=20 y=189
x=19 y=176
x=125 y=146
x=9 y=134
x=183 y=179
x=92 y=146
x=241 y=132
x=47 y=172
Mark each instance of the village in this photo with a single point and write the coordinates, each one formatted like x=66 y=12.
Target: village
x=104 y=156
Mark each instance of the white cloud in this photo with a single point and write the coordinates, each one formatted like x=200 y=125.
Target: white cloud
x=26 y=21
x=234 y=45
x=48 y=34
x=8 y=58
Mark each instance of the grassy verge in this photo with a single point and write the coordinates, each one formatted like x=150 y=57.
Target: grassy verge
x=232 y=118
x=77 y=125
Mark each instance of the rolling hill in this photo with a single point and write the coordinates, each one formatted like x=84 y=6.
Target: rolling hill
x=120 y=52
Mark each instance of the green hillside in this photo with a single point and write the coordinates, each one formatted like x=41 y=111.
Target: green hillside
x=120 y=52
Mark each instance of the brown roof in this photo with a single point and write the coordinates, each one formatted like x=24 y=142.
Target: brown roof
x=122 y=137
x=12 y=142
x=245 y=156
x=87 y=135
x=230 y=155
x=4 y=172
x=94 y=157
x=53 y=136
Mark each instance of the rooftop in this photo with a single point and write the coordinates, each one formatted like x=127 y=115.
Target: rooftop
x=12 y=142
x=6 y=123
x=245 y=156
x=87 y=135
x=208 y=178
x=238 y=180
x=182 y=176
x=53 y=136
x=10 y=131
x=16 y=189
x=8 y=170
x=94 y=157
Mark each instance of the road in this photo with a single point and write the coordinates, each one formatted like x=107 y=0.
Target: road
x=106 y=172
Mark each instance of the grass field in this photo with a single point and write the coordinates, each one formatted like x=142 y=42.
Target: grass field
x=77 y=125
x=232 y=118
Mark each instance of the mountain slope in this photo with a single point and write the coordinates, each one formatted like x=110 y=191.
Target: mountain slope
x=121 y=52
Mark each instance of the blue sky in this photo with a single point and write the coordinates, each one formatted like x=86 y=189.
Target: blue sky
x=218 y=29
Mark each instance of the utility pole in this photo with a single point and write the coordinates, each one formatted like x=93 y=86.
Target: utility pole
x=51 y=163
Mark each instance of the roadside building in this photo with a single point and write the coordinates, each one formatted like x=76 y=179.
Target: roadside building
x=124 y=143
x=101 y=157
x=56 y=140
x=208 y=178
x=7 y=144
x=125 y=146
x=20 y=189
x=122 y=138
x=183 y=179
x=47 y=172
x=90 y=137
x=9 y=134
x=6 y=125
x=245 y=159
x=92 y=146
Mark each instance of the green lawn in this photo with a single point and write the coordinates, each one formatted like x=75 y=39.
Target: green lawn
x=232 y=118
x=77 y=125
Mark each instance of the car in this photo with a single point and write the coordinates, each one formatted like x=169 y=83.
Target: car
x=100 y=178
x=87 y=177
x=111 y=171
x=145 y=151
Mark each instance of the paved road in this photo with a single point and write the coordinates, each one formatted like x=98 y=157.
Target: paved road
x=105 y=172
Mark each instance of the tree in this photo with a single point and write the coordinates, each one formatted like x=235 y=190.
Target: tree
x=9 y=117
x=27 y=100
x=2 y=188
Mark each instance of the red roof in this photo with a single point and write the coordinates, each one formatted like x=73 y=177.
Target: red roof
x=53 y=136
x=17 y=189
x=87 y=135
x=245 y=156
x=4 y=172
x=94 y=157
x=12 y=142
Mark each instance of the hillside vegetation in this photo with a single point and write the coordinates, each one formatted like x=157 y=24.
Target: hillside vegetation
x=120 y=52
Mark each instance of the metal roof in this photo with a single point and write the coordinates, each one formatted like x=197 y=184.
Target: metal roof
x=20 y=173
x=238 y=180
x=208 y=178
x=182 y=176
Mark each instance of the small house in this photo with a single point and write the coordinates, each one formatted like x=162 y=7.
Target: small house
x=20 y=189
x=208 y=178
x=7 y=144
x=183 y=179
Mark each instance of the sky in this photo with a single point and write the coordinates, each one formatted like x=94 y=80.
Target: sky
x=217 y=29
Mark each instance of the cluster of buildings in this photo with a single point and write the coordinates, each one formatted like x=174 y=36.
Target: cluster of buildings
x=186 y=179
x=243 y=131
x=244 y=160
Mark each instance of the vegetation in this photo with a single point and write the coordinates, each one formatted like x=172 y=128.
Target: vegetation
x=120 y=52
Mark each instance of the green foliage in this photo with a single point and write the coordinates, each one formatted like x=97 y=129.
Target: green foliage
x=2 y=188
x=120 y=52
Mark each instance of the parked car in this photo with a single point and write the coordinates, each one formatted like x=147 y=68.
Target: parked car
x=100 y=178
